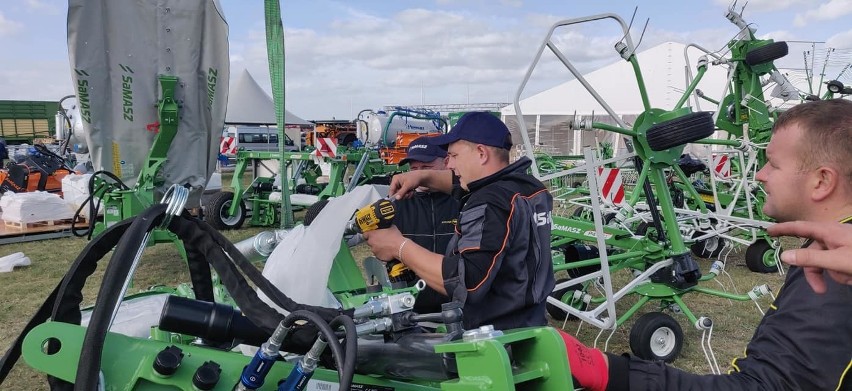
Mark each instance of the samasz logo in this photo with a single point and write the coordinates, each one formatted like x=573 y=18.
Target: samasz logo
x=212 y=79
x=543 y=218
x=565 y=228
x=83 y=98
x=127 y=97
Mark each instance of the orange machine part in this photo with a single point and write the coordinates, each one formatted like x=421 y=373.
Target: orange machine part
x=53 y=184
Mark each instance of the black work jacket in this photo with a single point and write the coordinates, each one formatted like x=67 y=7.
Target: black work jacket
x=498 y=263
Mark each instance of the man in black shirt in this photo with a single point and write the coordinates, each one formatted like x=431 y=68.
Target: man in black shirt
x=427 y=218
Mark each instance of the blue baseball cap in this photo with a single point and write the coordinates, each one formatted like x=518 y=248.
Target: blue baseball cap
x=422 y=151
x=479 y=127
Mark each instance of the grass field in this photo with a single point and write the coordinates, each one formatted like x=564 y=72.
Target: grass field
x=24 y=289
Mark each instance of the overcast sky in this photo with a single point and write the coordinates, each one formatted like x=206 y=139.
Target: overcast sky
x=345 y=56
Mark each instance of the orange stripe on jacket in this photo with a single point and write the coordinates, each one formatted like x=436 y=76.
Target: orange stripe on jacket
x=505 y=238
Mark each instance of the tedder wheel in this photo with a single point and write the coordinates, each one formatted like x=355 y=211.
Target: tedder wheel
x=681 y=130
x=835 y=87
x=565 y=295
x=760 y=257
x=707 y=248
x=766 y=53
x=314 y=211
x=648 y=230
x=656 y=336
x=582 y=213
x=218 y=213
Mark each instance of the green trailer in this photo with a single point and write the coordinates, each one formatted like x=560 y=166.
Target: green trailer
x=23 y=121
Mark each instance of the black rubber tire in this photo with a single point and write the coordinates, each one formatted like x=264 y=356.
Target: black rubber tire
x=581 y=252
x=707 y=248
x=834 y=86
x=557 y=313
x=216 y=214
x=679 y=131
x=314 y=211
x=766 y=53
x=756 y=257
x=657 y=337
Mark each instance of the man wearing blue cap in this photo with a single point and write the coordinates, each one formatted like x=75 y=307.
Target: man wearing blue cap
x=498 y=263
x=429 y=217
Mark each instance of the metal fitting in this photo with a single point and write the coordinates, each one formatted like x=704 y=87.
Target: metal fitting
x=482 y=333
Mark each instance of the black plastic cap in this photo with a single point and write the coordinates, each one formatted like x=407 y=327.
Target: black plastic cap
x=206 y=376
x=168 y=361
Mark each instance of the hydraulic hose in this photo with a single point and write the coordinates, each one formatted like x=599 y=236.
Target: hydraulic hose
x=204 y=244
x=94 y=207
x=89 y=363
x=347 y=371
x=327 y=332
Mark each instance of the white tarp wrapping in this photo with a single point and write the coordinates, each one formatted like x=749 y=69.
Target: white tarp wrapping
x=117 y=50
x=300 y=264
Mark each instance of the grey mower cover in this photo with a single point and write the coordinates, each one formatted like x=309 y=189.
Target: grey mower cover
x=117 y=50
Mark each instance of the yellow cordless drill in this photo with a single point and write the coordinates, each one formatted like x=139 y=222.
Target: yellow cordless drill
x=380 y=215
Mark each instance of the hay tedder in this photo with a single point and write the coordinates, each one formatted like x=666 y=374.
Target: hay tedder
x=646 y=233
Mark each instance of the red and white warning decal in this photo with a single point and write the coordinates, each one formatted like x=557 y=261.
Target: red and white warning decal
x=326 y=147
x=611 y=184
x=721 y=166
x=228 y=146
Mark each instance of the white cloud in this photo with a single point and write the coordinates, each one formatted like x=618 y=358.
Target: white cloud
x=39 y=5
x=755 y=6
x=52 y=78
x=840 y=41
x=8 y=26
x=368 y=61
x=779 y=35
x=831 y=10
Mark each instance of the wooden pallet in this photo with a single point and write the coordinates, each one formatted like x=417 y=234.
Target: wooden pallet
x=39 y=224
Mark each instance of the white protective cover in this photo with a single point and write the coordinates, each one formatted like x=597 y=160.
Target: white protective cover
x=117 y=50
x=135 y=316
x=300 y=264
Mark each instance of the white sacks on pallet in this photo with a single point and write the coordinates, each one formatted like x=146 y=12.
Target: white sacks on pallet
x=75 y=190
x=34 y=207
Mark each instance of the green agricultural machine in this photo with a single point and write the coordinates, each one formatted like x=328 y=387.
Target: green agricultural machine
x=268 y=200
x=373 y=341
x=643 y=234
x=369 y=157
x=26 y=121
x=746 y=116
